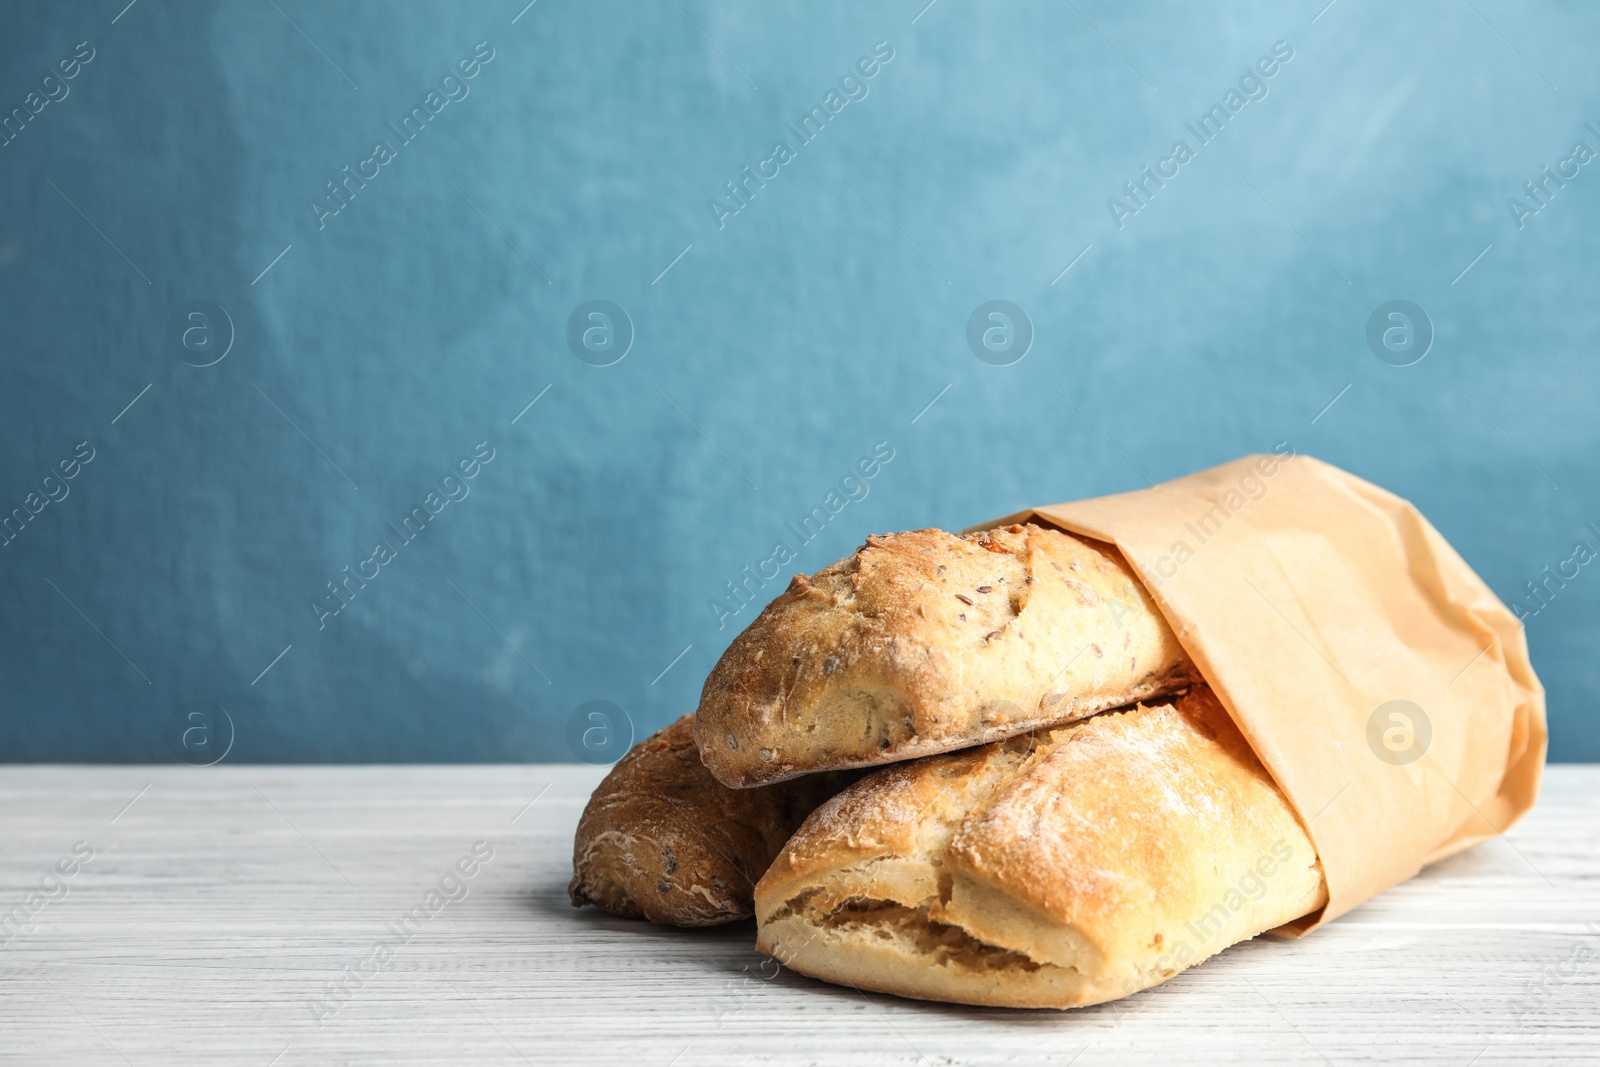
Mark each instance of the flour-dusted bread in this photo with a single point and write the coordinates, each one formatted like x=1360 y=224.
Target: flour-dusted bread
x=663 y=840
x=926 y=642
x=1071 y=868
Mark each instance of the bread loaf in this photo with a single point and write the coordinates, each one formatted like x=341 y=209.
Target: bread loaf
x=1066 y=869
x=925 y=642
x=662 y=840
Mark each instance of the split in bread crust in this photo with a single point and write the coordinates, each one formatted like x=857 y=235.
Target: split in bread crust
x=662 y=840
x=1072 y=868
x=926 y=642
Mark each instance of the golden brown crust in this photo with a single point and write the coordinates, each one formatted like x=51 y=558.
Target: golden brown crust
x=662 y=840
x=1076 y=867
x=925 y=642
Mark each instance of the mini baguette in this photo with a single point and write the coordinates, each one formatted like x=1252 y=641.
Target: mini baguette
x=660 y=839
x=1058 y=871
x=926 y=642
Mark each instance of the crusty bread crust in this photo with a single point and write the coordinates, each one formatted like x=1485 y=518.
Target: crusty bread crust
x=1067 y=869
x=662 y=840
x=925 y=642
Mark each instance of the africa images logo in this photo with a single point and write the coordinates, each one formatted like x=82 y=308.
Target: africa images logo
x=852 y=88
x=454 y=487
x=1208 y=127
x=454 y=87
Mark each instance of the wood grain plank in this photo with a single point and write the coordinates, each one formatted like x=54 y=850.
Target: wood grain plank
x=219 y=906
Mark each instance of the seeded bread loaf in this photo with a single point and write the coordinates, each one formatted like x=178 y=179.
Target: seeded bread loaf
x=925 y=642
x=1073 y=867
x=662 y=840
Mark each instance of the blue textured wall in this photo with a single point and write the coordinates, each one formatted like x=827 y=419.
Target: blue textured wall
x=1216 y=314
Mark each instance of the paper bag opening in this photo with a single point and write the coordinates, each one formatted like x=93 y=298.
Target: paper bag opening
x=1380 y=681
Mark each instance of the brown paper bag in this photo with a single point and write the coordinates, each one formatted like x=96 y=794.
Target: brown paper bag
x=1381 y=682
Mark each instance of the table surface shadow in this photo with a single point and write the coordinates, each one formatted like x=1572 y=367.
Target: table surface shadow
x=279 y=916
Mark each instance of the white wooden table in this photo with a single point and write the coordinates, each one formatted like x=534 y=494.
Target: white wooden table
x=222 y=902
